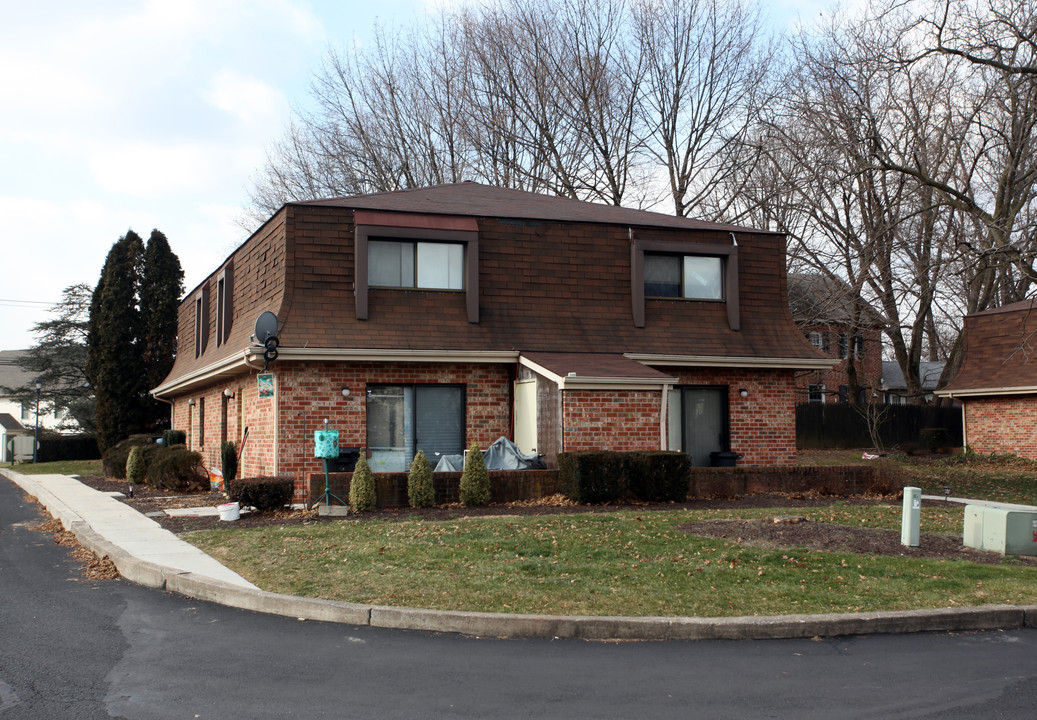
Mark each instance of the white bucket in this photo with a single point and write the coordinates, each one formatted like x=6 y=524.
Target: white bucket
x=229 y=511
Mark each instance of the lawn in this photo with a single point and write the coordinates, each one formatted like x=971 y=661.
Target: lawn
x=60 y=467
x=625 y=562
x=1002 y=478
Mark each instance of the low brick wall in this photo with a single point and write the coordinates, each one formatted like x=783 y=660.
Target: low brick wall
x=391 y=488
x=517 y=485
x=707 y=482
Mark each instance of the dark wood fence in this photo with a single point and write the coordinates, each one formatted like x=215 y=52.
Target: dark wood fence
x=839 y=425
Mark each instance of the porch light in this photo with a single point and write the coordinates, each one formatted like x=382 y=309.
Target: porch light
x=743 y=393
x=228 y=393
x=345 y=392
x=190 y=402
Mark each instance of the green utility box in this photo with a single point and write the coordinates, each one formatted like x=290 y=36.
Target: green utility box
x=998 y=529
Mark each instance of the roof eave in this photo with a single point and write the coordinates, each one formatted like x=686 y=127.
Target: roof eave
x=763 y=363
x=974 y=392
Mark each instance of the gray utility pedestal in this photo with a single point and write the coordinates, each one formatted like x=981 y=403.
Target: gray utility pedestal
x=998 y=529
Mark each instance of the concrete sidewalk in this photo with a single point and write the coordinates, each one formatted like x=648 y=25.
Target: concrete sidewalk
x=147 y=554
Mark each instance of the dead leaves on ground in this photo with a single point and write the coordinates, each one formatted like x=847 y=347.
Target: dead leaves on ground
x=93 y=567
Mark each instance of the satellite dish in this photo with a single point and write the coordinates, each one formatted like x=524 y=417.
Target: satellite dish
x=266 y=327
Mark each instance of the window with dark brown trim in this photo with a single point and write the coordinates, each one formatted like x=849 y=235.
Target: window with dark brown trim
x=416 y=230
x=201 y=321
x=224 y=303
x=651 y=274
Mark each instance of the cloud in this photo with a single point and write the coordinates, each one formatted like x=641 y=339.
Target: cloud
x=248 y=99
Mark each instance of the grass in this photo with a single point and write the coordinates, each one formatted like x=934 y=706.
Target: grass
x=60 y=467
x=618 y=563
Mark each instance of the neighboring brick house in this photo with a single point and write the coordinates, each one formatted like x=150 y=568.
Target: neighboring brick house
x=436 y=317
x=997 y=382
x=823 y=309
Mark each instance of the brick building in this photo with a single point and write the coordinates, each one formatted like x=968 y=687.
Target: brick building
x=997 y=382
x=842 y=328
x=436 y=317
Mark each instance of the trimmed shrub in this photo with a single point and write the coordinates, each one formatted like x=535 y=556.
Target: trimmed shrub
x=362 y=497
x=174 y=437
x=262 y=493
x=136 y=468
x=115 y=457
x=593 y=476
x=420 y=492
x=177 y=469
x=55 y=446
x=474 y=487
x=229 y=460
x=658 y=476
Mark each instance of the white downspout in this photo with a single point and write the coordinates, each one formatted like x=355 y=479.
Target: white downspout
x=664 y=435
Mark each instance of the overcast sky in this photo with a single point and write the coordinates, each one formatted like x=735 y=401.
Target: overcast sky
x=119 y=114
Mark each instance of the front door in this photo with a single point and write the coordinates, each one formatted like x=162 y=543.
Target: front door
x=698 y=422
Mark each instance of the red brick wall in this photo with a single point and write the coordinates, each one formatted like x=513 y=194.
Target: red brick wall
x=1002 y=424
x=763 y=425
x=616 y=420
x=869 y=368
x=309 y=392
x=222 y=420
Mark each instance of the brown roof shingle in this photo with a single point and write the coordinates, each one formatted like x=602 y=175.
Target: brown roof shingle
x=1000 y=350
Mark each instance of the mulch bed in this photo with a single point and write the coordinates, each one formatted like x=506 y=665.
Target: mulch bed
x=783 y=533
x=146 y=500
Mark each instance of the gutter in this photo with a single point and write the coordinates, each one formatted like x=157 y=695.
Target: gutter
x=974 y=392
x=735 y=361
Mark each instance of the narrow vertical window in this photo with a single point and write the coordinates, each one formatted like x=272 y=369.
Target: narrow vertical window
x=201 y=422
x=220 y=300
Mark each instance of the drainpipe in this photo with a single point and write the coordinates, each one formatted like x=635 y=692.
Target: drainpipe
x=664 y=436
x=964 y=426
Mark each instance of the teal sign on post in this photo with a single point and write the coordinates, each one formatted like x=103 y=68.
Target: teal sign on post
x=325 y=444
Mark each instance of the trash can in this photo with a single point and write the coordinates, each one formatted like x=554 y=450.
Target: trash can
x=346 y=460
x=724 y=458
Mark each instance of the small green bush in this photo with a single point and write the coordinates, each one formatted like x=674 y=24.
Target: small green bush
x=593 y=476
x=177 y=469
x=362 y=497
x=262 y=493
x=114 y=460
x=658 y=476
x=174 y=437
x=136 y=468
x=474 y=487
x=420 y=492
x=229 y=460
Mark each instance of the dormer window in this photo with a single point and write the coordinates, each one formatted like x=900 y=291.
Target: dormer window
x=693 y=277
x=419 y=265
x=201 y=321
x=661 y=269
x=424 y=252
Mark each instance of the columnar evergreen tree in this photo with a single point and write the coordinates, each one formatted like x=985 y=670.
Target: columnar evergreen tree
x=131 y=338
x=474 y=488
x=115 y=364
x=162 y=283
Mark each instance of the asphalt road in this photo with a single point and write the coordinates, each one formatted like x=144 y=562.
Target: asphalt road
x=108 y=649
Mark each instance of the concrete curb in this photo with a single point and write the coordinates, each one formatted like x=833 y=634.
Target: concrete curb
x=148 y=574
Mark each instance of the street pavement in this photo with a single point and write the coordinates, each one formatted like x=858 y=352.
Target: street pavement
x=147 y=554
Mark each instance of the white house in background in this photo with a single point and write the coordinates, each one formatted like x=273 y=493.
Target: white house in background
x=894 y=386
x=12 y=375
x=9 y=430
